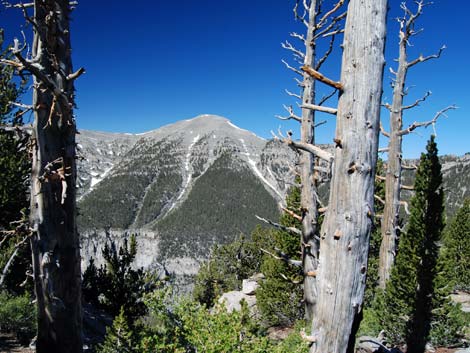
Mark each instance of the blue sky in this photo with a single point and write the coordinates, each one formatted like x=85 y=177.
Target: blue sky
x=153 y=62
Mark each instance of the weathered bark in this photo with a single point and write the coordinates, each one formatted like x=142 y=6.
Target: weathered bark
x=393 y=187
x=344 y=238
x=308 y=197
x=55 y=245
x=389 y=224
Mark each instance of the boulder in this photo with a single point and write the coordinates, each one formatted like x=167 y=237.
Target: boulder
x=366 y=344
x=463 y=350
x=232 y=301
x=249 y=286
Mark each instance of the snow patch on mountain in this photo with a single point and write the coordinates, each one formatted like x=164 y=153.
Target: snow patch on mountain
x=260 y=175
x=187 y=169
x=96 y=178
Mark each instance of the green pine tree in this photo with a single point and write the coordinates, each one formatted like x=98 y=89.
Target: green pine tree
x=280 y=295
x=405 y=309
x=116 y=285
x=448 y=321
x=375 y=240
x=455 y=251
x=14 y=169
x=119 y=337
x=229 y=265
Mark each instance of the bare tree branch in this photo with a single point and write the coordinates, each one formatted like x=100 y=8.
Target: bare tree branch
x=282 y=256
x=387 y=106
x=291 y=115
x=10 y=260
x=416 y=103
x=425 y=124
x=301 y=18
x=295 y=95
x=378 y=198
x=422 y=58
x=292 y=213
x=325 y=56
x=280 y=226
x=383 y=132
x=332 y=28
x=318 y=76
x=298 y=36
x=298 y=72
x=288 y=46
x=328 y=96
x=317 y=151
x=405 y=206
x=333 y=33
x=320 y=108
x=325 y=17
x=409 y=167
x=320 y=123
x=406 y=187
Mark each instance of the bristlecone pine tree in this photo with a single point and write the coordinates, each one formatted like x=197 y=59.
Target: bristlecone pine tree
x=390 y=226
x=54 y=239
x=279 y=297
x=346 y=230
x=406 y=307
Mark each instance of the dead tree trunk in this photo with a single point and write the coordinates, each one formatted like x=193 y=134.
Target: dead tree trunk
x=55 y=244
x=390 y=225
x=318 y=25
x=344 y=239
x=308 y=195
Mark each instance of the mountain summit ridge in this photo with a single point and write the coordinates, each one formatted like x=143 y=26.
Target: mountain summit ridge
x=189 y=185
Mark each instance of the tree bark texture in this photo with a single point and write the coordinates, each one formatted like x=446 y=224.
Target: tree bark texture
x=55 y=244
x=344 y=238
x=310 y=246
x=389 y=225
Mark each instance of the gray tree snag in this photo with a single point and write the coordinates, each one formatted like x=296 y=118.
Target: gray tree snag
x=344 y=237
x=54 y=239
x=317 y=25
x=390 y=220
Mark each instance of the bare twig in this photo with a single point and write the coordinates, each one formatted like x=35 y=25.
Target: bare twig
x=383 y=132
x=425 y=124
x=422 y=58
x=291 y=115
x=280 y=226
x=298 y=72
x=282 y=256
x=416 y=103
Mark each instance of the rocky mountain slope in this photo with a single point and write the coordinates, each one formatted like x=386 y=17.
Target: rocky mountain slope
x=180 y=188
x=187 y=186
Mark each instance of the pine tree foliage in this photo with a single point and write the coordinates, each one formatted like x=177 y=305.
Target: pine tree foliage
x=280 y=295
x=448 y=321
x=14 y=169
x=455 y=251
x=119 y=337
x=375 y=240
x=116 y=285
x=406 y=305
x=229 y=265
